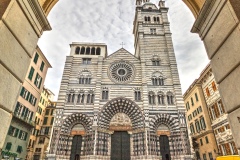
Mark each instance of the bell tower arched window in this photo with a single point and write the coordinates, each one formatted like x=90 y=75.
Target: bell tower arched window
x=137 y=95
x=88 y=50
x=151 y=97
x=77 y=50
x=82 y=50
x=161 y=98
x=93 y=51
x=98 y=52
x=170 y=98
x=105 y=93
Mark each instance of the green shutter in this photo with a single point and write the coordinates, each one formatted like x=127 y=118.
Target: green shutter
x=35 y=100
x=20 y=134
x=8 y=146
x=52 y=120
x=22 y=91
x=36 y=58
x=10 y=130
x=35 y=82
x=16 y=133
x=42 y=66
x=31 y=116
x=28 y=93
x=39 y=85
x=31 y=73
x=26 y=134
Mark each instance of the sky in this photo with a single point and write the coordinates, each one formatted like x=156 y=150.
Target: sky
x=111 y=22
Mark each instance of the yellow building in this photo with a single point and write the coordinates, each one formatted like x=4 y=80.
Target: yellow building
x=203 y=140
x=45 y=101
x=44 y=135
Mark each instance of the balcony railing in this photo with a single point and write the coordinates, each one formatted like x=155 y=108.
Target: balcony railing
x=25 y=119
x=224 y=136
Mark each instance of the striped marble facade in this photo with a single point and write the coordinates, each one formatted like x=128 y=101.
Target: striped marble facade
x=91 y=94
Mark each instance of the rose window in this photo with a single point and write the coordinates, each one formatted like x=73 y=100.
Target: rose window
x=121 y=72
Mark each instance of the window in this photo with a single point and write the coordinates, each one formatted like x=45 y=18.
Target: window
x=38 y=80
x=153 y=30
x=137 y=95
x=192 y=101
x=151 y=98
x=88 y=50
x=90 y=98
x=187 y=106
x=19 y=149
x=192 y=128
x=210 y=155
x=73 y=98
x=12 y=131
x=52 y=112
x=52 y=120
x=41 y=140
x=98 y=51
x=45 y=120
x=82 y=50
x=35 y=58
x=30 y=75
x=105 y=94
x=93 y=51
x=161 y=98
x=196 y=96
x=206 y=138
x=85 y=80
x=207 y=92
x=170 y=98
x=214 y=86
x=8 y=146
x=197 y=126
x=220 y=107
x=155 y=62
x=23 y=135
x=232 y=148
x=47 y=112
x=158 y=81
x=204 y=157
x=77 y=50
x=69 y=98
x=86 y=60
x=38 y=149
x=201 y=142
x=42 y=66
x=202 y=122
x=223 y=149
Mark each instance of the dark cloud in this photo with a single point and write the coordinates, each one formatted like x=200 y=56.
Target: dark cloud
x=111 y=22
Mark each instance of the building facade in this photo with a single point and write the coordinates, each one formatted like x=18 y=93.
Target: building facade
x=123 y=106
x=25 y=108
x=201 y=132
x=217 y=113
x=43 y=137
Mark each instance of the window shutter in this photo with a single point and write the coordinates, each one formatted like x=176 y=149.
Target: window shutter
x=35 y=81
x=10 y=130
x=26 y=134
x=8 y=146
x=216 y=110
x=16 y=133
x=39 y=85
x=28 y=93
x=22 y=91
x=210 y=113
x=20 y=134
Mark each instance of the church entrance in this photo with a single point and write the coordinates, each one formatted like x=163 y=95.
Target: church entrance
x=76 y=147
x=120 y=146
x=164 y=147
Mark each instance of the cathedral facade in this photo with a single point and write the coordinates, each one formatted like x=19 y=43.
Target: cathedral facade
x=123 y=106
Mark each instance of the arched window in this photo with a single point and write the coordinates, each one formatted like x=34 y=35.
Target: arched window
x=98 y=52
x=78 y=98
x=146 y=19
x=157 y=81
x=170 y=98
x=137 y=95
x=69 y=97
x=158 y=19
x=151 y=97
x=82 y=50
x=88 y=50
x=155 y=19
x=73 y=97
x=161 y=98
x=156 y=62
x=149 y=19
x=90 y=98
x=82 y=98
x=105 y=94
x=93 y=51
x=77 y=50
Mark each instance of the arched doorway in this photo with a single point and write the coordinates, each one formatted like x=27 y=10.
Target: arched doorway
x=120 y=139
x=78 y=131
x=123 y=120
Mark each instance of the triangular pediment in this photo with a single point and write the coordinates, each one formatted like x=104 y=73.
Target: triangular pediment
x=122 y=54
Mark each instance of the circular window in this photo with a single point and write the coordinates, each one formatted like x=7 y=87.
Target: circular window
x=121 y=72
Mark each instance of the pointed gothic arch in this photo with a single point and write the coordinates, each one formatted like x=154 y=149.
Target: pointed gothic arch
x=76 y=118
x=121 y=105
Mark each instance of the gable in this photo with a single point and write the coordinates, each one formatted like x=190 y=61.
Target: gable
x=122 y=54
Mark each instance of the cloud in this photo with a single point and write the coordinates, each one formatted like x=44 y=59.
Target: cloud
x=111 y=22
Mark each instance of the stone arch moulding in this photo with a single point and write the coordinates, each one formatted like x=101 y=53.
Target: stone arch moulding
x=76 y=118
x=166 y=119
x=121 y=105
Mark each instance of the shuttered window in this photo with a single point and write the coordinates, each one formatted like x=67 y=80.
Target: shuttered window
x=30 y=75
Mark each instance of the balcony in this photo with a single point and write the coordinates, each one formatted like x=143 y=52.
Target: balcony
x=219 y=119
x=24 y=119
x=224 y=136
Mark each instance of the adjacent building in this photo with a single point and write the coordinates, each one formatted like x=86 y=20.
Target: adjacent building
x=123 y=105
x=208 y=121
x=201 y=133
x=217 y=113
x=43 y=137
x=16 y=142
